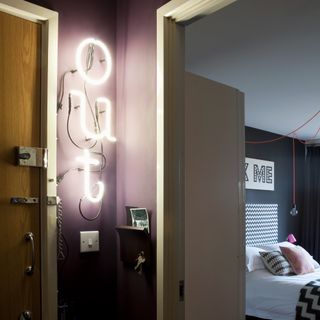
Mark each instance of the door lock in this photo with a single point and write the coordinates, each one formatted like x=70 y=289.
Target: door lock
x=32 y=157
x=26 y=315
x=24 y=156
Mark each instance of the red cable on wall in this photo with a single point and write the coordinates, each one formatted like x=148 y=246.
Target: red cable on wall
x=289 y=134
x=293 y=172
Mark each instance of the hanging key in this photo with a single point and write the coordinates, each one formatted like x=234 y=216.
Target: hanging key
x=140 y=261
x=26 y=315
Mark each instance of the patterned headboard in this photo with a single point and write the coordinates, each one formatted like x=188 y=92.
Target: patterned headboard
x=261 y=224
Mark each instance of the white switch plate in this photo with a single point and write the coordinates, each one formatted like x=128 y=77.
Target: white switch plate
x=89 y=241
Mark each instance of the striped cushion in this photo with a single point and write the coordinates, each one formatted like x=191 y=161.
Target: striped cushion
x=276 y=263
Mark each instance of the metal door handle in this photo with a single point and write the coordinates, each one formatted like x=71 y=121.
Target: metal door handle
x=30 y=237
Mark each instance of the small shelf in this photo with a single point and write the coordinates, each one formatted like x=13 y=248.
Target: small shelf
x=133 y=240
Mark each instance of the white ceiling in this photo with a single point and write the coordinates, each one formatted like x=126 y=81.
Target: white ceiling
x=268 y=49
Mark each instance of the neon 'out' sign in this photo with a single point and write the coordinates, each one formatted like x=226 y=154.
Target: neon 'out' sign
x=87 y=162
x=102 y=133
x=107 y=59
x=102 y=106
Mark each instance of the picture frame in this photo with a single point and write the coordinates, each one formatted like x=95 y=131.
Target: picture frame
x=259 y=174
x=140 y=218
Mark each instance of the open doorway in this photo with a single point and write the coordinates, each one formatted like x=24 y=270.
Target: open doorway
x=177 y=129
x=268 y=50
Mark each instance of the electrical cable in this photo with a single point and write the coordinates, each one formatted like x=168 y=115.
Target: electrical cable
x=60 y=177
x=67 y=250
x=90 y=107
x=315 y=135
x=101 y=149
x=303 y=142
x=84 y=216
x=293 y=210
x=68 y=129
x=293 y=172
x=95 y=117
x=61 y=89
x=102 y=165
x=60 y=241
x=103 y=162
x=286 y=135
x=103 y=158
x=293 y=136
x=89 y=64
x=89 y=57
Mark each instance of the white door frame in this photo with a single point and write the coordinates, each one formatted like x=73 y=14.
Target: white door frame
x=170 y=154
x=49 y=54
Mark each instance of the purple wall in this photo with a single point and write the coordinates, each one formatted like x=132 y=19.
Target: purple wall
x=87 y=282
x=136 y=150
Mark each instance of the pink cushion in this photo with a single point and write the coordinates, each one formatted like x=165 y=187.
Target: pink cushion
x=300 y=262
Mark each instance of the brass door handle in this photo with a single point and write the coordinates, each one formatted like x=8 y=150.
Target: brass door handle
x=30 y=237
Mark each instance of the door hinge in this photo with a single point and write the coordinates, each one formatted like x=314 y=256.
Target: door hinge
x=32 y=157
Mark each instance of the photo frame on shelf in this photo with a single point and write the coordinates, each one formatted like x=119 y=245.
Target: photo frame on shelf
x=140 y=218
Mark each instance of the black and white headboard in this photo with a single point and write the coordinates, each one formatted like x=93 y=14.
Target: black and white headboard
x=261 y=224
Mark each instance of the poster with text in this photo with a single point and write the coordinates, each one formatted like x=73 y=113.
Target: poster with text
x=259 y=174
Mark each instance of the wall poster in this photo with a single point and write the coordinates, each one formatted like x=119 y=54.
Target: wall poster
x=259 y=174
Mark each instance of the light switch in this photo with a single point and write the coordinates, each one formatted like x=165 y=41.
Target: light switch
x=89 y=241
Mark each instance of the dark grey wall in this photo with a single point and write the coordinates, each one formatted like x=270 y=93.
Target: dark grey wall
x=281 y=153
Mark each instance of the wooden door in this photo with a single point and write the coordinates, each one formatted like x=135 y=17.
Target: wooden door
x=214 y=202
x=20 y=126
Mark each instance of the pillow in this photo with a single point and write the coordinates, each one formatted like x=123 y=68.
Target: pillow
x=253 y=259
x=276 y=246
x=314 y=262
x=300 y=262
x=276 y=263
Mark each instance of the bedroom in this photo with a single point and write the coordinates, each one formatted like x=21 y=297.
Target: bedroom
x=268 y=50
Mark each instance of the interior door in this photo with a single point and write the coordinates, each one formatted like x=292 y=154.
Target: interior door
x=20 y=290
x=214 y=200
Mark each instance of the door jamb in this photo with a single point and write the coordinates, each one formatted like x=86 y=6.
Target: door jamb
x=49 y=53
x=171 y=19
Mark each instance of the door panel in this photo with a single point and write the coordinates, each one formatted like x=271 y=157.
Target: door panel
x=214 y=215
x=20 y=126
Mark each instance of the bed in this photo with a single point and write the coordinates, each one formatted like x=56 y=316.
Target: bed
x=270 y=296
x=274 y=297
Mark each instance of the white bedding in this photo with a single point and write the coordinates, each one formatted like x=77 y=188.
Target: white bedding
x=274 y=297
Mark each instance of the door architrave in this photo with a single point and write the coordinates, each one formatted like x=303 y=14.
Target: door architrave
x=171 y=21
x=49 y=53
